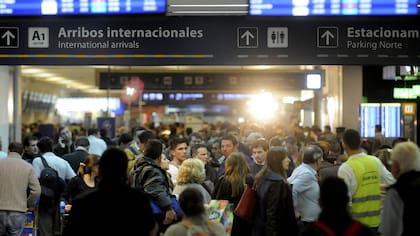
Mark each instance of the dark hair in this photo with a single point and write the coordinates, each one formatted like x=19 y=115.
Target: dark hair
x=27 y=139
x=352 y=138
x=145 y=135
x=45 y=144
x=195 y=147
x=276 y=141
x=15 y=147
x=154 y=148
x=378 y=128
x=261 y=143
x=92 y=131
x=125 y=138
x=274 y=160
x=174 y=142
x=82 y=142
x=231 y=138
x=103 y=132
x=135 y=129
x=274 y=163
x=113 y=165
x=233 y=128
x=334 y=193
x=191 y=202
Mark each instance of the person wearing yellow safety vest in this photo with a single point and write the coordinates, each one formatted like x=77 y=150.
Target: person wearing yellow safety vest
x=364 y=174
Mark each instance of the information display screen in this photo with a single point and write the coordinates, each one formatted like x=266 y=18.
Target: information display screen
x=332 y=7
x=370 y=115
x=80 y=7
x=391 y=119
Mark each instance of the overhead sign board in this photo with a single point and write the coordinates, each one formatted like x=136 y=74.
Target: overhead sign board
x=209 y=40
x=205 y=81
x=80 y=7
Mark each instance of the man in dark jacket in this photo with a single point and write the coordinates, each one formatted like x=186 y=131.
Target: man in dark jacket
x=106 y=210
x=150 y=178
x=79 y=155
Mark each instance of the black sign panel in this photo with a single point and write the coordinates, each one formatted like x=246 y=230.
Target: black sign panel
x=205 y=82
x=214 y=40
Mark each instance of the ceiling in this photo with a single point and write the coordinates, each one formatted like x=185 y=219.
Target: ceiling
x=82 y=80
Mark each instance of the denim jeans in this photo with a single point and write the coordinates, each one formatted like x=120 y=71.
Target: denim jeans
x=12 y=223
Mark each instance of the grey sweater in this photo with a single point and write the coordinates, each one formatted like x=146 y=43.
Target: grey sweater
x=19 y=186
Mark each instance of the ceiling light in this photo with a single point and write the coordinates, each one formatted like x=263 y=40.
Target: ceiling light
x=53 y=78
x=31 y=70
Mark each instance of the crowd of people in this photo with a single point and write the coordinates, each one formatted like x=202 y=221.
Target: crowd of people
x=309 y=182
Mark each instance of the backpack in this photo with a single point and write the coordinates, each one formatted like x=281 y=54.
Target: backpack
x=51 y=184
x=193 y=230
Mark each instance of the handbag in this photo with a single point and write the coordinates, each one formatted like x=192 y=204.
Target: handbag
x=246 y=206
x=175 y=206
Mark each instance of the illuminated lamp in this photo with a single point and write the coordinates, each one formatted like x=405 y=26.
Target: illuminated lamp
x=404 y=93
x=313 y=81
x=131 y=90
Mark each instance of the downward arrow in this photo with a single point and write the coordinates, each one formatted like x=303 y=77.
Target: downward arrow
x=8 y=35
x=247 y=35
x=327 y=35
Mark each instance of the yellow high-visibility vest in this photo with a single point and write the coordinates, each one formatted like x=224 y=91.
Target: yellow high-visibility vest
x=366 y=202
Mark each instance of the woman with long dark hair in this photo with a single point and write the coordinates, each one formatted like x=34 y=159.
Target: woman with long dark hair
x=274 y=213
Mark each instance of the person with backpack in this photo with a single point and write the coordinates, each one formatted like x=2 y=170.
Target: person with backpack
x=195 y=221
x=335 y=218
x=52 y=185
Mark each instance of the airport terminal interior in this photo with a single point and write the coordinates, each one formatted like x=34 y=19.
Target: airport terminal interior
x=193 y=94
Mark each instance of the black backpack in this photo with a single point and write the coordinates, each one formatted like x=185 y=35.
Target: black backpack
x=51 y=184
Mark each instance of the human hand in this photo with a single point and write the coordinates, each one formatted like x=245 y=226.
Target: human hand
x=67 y=208
x=170 y=216
x=61 y=142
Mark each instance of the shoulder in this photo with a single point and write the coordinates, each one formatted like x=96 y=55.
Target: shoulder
x=176 y=229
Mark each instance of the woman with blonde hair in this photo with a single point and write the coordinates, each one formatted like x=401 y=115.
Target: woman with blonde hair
x=191 y=175
x=231 y=185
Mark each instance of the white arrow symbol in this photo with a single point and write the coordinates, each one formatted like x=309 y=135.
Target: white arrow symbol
x=327 y=35
x=8 y=35
x=247 y=35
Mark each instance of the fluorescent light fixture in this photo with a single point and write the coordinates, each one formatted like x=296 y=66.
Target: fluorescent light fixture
x=313 y=81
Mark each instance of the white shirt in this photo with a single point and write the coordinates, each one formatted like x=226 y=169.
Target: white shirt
x=97 y=145
x=173 y=170
x=347 y=174
x=57 y=163
x=305 y=192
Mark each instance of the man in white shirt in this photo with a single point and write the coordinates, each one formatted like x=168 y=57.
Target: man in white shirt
x=97 y=145
x=178 y=150
x=305 y=187
x=48 y=217
x=364 y=176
